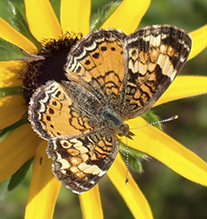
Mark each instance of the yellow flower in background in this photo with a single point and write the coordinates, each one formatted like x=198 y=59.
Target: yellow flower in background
x=20 y=143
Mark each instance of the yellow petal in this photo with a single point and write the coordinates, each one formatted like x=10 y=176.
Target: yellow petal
x=128 y=15
x=10 y=74
x=42 y=20
x=75 y=16
x=182 y=87
x=16 y=149
x=11 y=35
x=44 y=187
x=168 y=151
x=199 y=38
x=91 y=204
x=12 y=109
x=130 y=192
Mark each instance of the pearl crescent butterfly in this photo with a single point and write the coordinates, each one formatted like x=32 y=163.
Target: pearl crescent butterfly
x=112 y=77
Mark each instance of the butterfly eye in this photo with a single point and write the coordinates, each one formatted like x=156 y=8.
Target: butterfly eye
x=123 y=130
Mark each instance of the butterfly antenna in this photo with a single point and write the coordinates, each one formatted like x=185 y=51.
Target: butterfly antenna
x=127 y=148
x=127 y=162
x=157 y=122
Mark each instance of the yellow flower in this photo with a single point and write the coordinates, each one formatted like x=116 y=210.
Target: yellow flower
x=20 y=143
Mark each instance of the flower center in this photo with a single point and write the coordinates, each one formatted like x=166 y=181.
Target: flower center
x=39 y=72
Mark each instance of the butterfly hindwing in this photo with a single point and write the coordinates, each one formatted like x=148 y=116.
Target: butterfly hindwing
x=81 y=161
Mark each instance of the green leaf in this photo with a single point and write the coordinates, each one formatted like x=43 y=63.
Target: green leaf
x=19 y=176
x=103 y=15
x=18 y=20
x=152 y=119
x=11 y=52
x=134 y=156
x=8 y=91
x=8 y=130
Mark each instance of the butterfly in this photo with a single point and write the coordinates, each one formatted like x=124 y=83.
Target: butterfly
x=112 y=77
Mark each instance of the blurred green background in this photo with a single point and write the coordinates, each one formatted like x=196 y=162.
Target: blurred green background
x=170 y=195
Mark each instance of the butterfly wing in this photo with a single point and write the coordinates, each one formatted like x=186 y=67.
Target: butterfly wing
x=81 y=153
x=81 y=161
x=98 y=61
x=53 y=113
x=153 y=58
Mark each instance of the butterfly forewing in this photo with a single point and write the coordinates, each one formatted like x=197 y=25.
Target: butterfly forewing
x=52 y=112
x=153 y=58
x=98 y=60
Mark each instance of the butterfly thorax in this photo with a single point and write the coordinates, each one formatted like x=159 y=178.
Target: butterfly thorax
x=115 y=123
x=96 y=110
